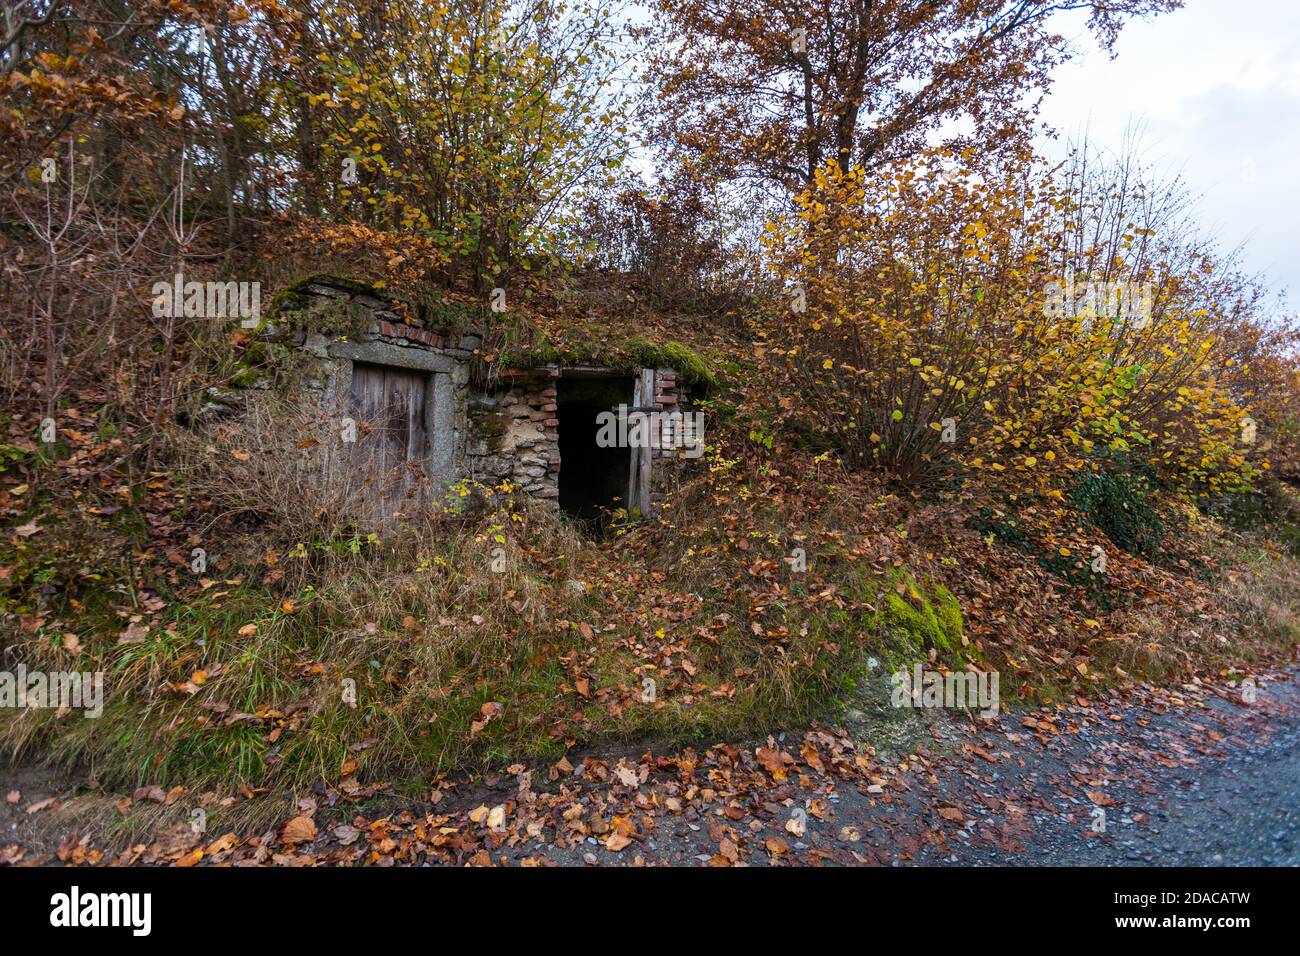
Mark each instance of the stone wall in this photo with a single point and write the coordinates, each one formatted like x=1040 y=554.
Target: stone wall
x=514 y=432
x=670 y=394
x=504 y=429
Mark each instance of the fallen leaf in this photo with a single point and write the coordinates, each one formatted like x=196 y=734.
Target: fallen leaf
x=627 y=777
x=301 y=829
x=134 y=634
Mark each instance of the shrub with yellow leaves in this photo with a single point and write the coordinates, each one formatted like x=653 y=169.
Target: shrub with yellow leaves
x=927 y=328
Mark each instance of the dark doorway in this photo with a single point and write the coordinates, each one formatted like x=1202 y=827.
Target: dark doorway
x=593 y=480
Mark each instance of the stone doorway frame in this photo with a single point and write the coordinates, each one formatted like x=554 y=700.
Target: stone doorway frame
x=443 y=372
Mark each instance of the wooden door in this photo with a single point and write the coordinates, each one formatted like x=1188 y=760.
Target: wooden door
x=392 y=446
x=638 y=481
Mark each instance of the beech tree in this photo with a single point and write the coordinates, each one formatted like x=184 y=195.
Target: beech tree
x=770 y=90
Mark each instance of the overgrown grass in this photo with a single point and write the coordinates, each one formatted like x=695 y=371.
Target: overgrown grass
x=476 y=636
x=390 y=658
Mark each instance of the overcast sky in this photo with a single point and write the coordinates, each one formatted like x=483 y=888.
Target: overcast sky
x=1215 y=88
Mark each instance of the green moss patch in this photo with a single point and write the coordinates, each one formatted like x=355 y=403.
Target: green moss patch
x=627 y=356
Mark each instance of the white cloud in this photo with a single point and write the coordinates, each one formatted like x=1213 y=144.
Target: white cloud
x=1215 y=90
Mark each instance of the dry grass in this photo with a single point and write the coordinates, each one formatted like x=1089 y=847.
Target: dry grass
x=455 y=638
x=317 y=631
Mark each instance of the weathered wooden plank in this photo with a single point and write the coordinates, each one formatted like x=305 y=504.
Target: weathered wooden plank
x=643 y=463
x=634 y=467
x=391 y=457
x=366 y=458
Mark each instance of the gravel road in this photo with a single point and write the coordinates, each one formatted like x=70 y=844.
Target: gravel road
x=1190 y=776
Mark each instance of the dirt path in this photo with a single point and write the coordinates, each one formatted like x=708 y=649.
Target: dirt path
x=1191 y=776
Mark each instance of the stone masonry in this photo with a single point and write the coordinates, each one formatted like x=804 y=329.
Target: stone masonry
x=504 y=428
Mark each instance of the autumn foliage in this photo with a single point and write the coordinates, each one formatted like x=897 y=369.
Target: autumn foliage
x=937 y=372
x=940 y=316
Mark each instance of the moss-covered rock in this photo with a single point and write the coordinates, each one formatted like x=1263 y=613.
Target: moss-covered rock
x=490 y=424
x=245 y=377
x=916 y=617
x=690 y=367
x=340 y=305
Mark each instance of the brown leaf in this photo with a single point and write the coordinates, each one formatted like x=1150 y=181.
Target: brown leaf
x=134 y=634
x=221 y=844
x=770 y=760
x=776 y=846
x=301 y=829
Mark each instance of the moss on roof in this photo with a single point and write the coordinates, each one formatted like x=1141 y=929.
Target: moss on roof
x=446 y=313
x=545 y=330
x=627 y=355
